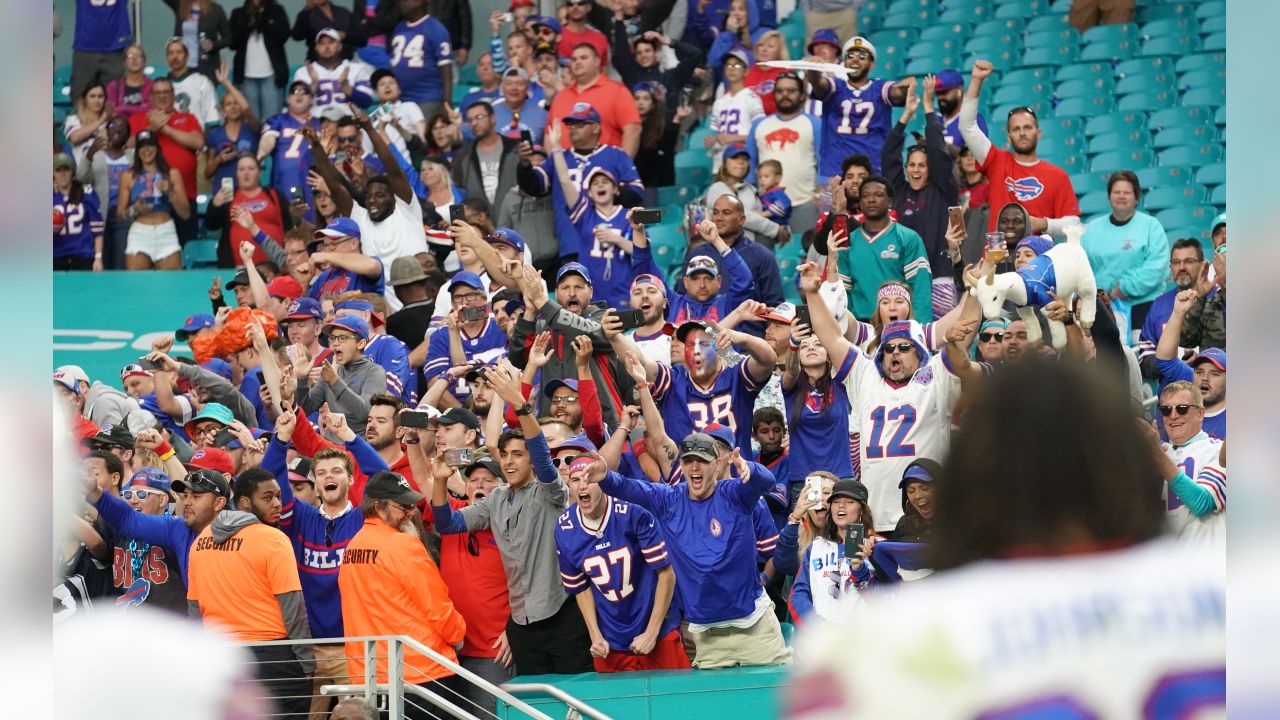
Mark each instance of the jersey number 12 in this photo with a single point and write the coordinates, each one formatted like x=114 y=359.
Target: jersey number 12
x=905 y=417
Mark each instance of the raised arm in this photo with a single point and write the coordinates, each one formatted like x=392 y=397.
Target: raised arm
x=760 y=354
x=959 y=339
x=332 y=178
x=891 y=153
x=973 y=137
x=494 y=264
x=824 y=323
x=1167 y=348
x=395 y=174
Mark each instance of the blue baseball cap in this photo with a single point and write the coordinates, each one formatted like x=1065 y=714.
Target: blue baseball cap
x=579 y=442
x=219 y=366
x=150 y=477
x=558 y=383
x=721 y=433
x=304 y=308
x=948 y=79
x=506 y=236
x=573 y=267
x=734 y=150
x=193 y=324
x=361 y=305
x=1217 y=356
x=469 y=279
x=581 y=113
x=920 y=470
x=823 y=36
x=534 y=21
x=341 y=227
x=352 y=323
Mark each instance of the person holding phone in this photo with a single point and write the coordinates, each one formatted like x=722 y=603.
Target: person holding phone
x=247 y=212
x=830 y=580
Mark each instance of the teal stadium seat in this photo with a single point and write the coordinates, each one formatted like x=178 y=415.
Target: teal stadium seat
x=1166 y=10
x=1171 y=45
x=1000 y=25
x=1022 y=94
x=1083 y=88
x=1146 y=81
x=1187 y=216
x=1148 y=100
x=1192 y=79
x=1052 y=56
x=1219 y=196
x=1220 y=118
x=1086 y=183
x=1216 y=42
x=675 y=195
x=668 y=243
x=1095 y=203
x=1202 y=96
x=1180 y=117
x=1084 y=71
x=1184 y=135
x=1119 y=122
x=1041 y=19
x=1119 y=141
x=1110 y=49
x=1166 y=176
x=1166 y=27
x=1122 y=160
x=1104 y=33
x=1059 y=145
x=1163 y=198
x=1052 y=37
x=1201 y=61
x=1193 y=155
x=198 y=253
x=1064 y=125
x=1213 y=8
x=975 y=13
x=1125 y=68
x=990 y=43
x=952 y=30
x=1028 y=75
x=1085 y=106
x=1213 y=26
x=1212 y=175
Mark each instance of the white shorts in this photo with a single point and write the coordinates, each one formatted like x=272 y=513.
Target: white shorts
x=155 y=241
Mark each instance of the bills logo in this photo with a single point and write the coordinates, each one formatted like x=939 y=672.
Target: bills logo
x=816 y=402
x=923 y=376
x=715 y=528
x=1024 y=189
x=294 y=307
x=764 y=88
x=782 y=137
x=253 y=206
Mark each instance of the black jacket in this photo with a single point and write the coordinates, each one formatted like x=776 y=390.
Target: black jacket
x=924 y=210
x=273 y=23
x=688 y=56
x=455 y=15
x=309 y=23
x=651 y=16
x=467 y=175
x=213 y=25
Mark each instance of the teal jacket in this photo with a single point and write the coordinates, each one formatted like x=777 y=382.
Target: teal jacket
x=1135 y=255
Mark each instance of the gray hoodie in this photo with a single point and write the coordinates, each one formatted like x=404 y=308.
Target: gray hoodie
x=358 y=381
x=292 y=608
x=221 y=391
x=105 y=405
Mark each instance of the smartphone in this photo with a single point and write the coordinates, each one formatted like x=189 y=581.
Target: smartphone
x=840 y=224
x=458 y=457
x=506 y=17
x=471 y=314
x=262 y=379
x=228 y=184
x=456 y=213
x=647 y=217
x=802 y=316
x=854 y=533
x=339 y=157
x=223 y=438
x=414 y=418
x=955 y=214
x=813 y=489
x=148 y=365
x=295 y=193
x=631 y=319
x=526 y=136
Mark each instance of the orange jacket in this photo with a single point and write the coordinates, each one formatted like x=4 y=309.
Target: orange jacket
x=390 y=586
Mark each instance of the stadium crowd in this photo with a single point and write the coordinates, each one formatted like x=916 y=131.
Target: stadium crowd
x=451 y=392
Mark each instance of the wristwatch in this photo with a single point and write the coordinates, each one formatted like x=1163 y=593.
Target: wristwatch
x=525 y=409
x=1070 y=319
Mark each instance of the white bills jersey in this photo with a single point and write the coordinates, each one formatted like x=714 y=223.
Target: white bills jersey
x=1129 y=633
x=898 y=425
x=328 y=89
x=1199 y=458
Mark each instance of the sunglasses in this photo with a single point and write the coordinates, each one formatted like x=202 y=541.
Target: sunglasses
x=859 y=54
x=564 y=461
x=348 y=139
x=140 y=493
x=197 y=482
x=988 y=337
x=900 y=348
x=1025 y=109
x=1167 y=410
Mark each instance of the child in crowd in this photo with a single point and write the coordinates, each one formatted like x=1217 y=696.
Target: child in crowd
x=773 y=197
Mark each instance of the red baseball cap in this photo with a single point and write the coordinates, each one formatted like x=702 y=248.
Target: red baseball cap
x=212 y=459
x=284 y=286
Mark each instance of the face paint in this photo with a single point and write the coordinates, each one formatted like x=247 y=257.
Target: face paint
x=706 y=347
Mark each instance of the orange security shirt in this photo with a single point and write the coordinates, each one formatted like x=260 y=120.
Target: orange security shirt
x=610 y=98
x=236 y=581
x=390 y=586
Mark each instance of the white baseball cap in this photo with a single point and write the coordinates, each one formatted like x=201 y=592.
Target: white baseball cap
x=74 y=371
x=857 y=41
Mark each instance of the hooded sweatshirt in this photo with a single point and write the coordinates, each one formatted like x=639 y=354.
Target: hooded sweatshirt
x=243 y=578
x=358 y=381
x=105 y=405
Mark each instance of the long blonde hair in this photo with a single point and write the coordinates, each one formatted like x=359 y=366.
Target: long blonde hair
x=807 y=531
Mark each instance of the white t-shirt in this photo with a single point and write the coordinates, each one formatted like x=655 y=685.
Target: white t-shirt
x=257 y=63
x=399 y=235
x=196 y=95
x=1104 y=635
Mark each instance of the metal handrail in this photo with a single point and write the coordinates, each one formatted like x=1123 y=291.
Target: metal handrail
x=396 y=688
x=381 y=688
x=558 y=694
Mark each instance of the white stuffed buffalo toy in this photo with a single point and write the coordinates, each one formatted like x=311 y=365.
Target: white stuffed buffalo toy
x=1063 y=269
